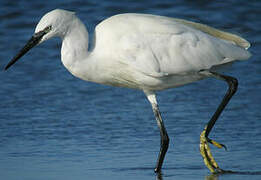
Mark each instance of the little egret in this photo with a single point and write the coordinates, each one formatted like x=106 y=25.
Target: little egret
x=149 y=53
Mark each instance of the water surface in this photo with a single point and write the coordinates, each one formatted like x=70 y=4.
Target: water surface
x=55 y=126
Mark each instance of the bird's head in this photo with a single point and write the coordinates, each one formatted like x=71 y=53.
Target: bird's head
x=52 y=24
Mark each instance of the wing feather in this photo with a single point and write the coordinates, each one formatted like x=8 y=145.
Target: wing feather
x=160 y=46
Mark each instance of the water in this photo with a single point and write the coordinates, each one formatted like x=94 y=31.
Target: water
x=55 y=126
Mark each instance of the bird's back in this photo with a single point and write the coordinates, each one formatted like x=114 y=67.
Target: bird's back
x=160 y=46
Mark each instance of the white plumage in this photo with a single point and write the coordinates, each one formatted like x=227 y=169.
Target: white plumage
x=158 y=45
x=141 y=51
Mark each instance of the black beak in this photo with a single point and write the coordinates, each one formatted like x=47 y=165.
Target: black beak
x=35 y=39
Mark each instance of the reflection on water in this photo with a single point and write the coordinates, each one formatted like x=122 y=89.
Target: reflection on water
x=159 y=176
x=216 y=176
x=212 y=177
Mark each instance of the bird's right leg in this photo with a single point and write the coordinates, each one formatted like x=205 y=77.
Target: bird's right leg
x=204 y=139
x=163 y=132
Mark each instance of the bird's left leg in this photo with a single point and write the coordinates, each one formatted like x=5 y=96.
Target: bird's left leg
x=204 y=140
x=163 y=132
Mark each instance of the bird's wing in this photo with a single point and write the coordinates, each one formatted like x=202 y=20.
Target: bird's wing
x=237 y=40
x=160 y=46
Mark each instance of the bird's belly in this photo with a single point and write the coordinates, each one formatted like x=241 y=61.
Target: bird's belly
x=145 y=82
x=124 y=76
x=172 y=81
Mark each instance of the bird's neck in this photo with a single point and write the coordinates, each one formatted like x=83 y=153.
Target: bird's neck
x=74 y=45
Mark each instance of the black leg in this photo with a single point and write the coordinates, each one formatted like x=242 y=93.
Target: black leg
x=204 y=140
x=164 y=138
x=232 y=83
x=163 y=133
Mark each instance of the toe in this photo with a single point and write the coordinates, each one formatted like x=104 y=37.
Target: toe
x=215 y=143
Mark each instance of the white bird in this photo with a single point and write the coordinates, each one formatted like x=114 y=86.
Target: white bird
x=145 y=52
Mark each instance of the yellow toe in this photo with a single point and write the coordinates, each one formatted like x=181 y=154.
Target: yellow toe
x=206 y=153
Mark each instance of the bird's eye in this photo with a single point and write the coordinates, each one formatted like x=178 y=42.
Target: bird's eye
x=43 y=32
x=47 y=29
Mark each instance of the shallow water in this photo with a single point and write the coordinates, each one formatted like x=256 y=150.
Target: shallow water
x=55 y=126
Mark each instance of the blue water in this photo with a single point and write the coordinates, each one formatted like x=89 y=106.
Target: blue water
x=54 y=126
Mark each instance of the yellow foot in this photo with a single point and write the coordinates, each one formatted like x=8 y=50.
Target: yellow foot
x=206 y=154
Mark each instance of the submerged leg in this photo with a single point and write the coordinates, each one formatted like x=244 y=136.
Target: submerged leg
x=204 y=140
x=163 y=133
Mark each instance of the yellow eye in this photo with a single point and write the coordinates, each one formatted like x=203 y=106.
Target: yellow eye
x=47 y=29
